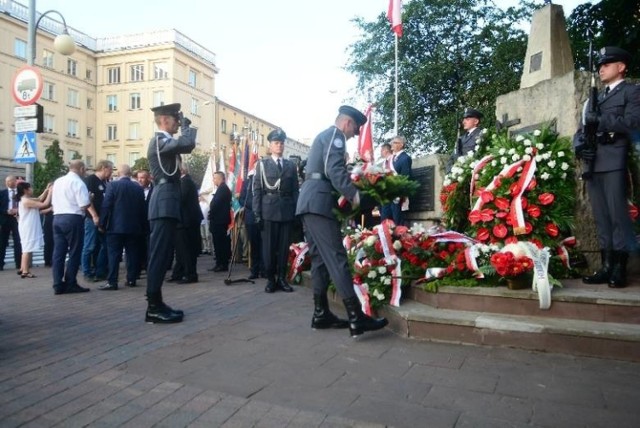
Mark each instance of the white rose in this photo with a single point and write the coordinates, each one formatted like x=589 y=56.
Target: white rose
x=547 y=156
x=560 y=154
x=386 y=280
x=511 y=151
x=382 y=269
x=485 y=130
x=564 y=166
x=540 y=146
x=494 y=162
x=545 y=176
x=371 y=240
x=519 y=138
x=503 y=160
x=372 y=274
x=515 y=157
x=446 y=182
x=537 y=133
x=552 y=164
x=527 y=142
x=378 y=295
x=502 y=151
x=538 y=158
x=397 y=245
x=365 y=286
x=564 y=175
x=526 y=158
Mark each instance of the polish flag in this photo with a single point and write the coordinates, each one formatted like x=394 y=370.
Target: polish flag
x=394 y=14
x=253 y=157
x=365 y=140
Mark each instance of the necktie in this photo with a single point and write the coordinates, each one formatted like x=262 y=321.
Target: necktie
x=12 y=202
x=606 y=91
x=279 y=166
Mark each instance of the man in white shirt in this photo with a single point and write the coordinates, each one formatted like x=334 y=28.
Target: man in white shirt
x=70 y=201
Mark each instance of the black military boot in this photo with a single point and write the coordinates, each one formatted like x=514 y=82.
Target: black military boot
x=322 y=317
x=601 y=276
x=358 y=321
x=618 y=278
x=159 y=313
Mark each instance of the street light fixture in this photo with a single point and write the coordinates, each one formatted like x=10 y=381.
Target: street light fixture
x=63 y=44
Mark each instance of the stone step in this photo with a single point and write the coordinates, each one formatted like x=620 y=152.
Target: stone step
x=573 y=301
x=576 y=337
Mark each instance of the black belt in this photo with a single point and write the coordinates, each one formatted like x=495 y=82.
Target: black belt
x=277 y=192
x=315 y=176
x=164 y=180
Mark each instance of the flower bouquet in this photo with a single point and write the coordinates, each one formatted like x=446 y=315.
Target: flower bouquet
x=298 y=261
x=515 y=269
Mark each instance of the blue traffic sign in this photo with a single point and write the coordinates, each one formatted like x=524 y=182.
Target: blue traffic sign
x=25 y=148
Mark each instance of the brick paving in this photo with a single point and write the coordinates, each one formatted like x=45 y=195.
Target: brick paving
x=244 y=358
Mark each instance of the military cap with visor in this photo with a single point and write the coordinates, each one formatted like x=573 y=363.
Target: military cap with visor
x=166 y=110
x=471 y=112
x=610 y=54
x=277 y=135
x=355 y=114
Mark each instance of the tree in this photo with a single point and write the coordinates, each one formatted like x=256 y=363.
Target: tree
x=197 y=164
x=453 y=54
x=613 y=22
x=51 y=170
x=140 y=163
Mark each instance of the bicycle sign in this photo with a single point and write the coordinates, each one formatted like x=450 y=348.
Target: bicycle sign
x=27 y=85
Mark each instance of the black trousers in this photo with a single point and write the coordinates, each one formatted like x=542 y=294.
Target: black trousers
x=275 y=248
x=221 y=244
x=187 y=250
x=116 y=242
x=10 y=227
x=47 y=231
x=255 y=238
x=160 y=252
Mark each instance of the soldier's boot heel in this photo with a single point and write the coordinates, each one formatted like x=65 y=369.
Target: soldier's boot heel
x=323 y=318
x=603 y=275
x=359 y=322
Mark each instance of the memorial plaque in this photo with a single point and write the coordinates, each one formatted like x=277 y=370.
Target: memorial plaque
x=424 y=198
x=536 y=62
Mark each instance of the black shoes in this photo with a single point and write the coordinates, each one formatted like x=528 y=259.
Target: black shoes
x=160 y=313
x=270 y=287
x=284 y=286
x=323 y=318
x=187 y=280
x=131 y=284
x=108 y=286
x=359 y=322
x=221 y=268
x=601 y=276
x=253 y=276
x=273 y=286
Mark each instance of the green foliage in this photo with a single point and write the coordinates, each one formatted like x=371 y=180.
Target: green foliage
x=140 y=163
x=197 y=163
x=52 y=169
x=453 y=54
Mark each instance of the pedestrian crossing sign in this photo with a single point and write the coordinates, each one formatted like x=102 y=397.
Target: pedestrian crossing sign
x=25 y=148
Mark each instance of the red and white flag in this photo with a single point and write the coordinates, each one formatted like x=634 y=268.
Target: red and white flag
x=365 y=140
x=253 y=157
x=394 y=14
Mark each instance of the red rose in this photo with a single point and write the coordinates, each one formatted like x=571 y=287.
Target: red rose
x=474 y=216
x=483 y=234
x=486 y=196
x=528 y=228
x=546 y=198
x=502 y=203
x=511 y=240
x=515 y=189
x=501 y=214
x=552 y=230
x=500 y=231
x=525 y=203
x=486 y=214
x=532 y=184
x=534 y=211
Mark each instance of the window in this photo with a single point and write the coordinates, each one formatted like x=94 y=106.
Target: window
x=261 y=140
x=47 y=58
x=72 y=154
x=134 y=101
x=88 y=74
x=160 y=71
x=158 y=98
x=72 y=128
x=134 y=131
x=73 y=98
x=113 y=75
x=111 y=157
x=90 y=103
x=234 y=129
x=192 y=78
x=47 y=123
x=49 y=93
x=133 y=157
x=20 y=48
x=89 y=160
x=72 y=67
x=194 y=106
x=90 y=132
x=112 y=132
x=112 y=102
x=223 y=126
x=137 y=73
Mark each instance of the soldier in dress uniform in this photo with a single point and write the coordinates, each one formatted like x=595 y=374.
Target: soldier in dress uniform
x=617 y=117
x=164 y=207
x=326 y=174
x=275 y=193
x=471 y=125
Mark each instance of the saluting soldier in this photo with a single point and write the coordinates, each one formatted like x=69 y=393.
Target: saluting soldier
x=275 y=193
x=326 y=174
x=617 y=117
x=164 y=207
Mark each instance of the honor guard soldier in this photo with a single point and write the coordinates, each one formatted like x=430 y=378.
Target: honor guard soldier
x=164 y=207
x=616 y=119
x=275 y=193
x=326 y=174
x=470 y=124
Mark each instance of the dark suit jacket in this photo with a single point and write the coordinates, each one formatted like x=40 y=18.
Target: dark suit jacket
x=402 y=164
x=246 y=200
x=191 y=212
x=220 y=206
x=123 y=208
x=467 y=142
x=4 y=204
x=275 y=205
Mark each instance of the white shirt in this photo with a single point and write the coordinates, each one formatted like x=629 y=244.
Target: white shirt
x=11 y=193
x=70 y=195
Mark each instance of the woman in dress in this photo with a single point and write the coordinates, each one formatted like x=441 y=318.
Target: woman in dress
x=29 y=225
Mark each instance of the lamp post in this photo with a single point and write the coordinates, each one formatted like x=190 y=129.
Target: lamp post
x=63 y=43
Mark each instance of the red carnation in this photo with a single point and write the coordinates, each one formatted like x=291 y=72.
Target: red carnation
x=474 y=216
x=546 y=198
x=534 y=211
x=524 y=203
x=500 y=231
x=515 y=189
x=552 y=230
x=486 y=214
x=502 y=203
x=486 y=196
x=528 y=228
x=483 y=234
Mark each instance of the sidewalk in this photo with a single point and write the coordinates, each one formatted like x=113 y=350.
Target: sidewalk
x=244 y=358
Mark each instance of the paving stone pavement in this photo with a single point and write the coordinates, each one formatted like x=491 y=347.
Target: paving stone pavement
x=244 y=358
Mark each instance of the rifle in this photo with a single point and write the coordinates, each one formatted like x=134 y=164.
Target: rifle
x=590 y=129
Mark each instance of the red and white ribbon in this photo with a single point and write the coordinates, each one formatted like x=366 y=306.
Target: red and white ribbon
x=360 y=289
x=484 y=161
x=451 y=236
x=563 y=253
x=516 y=214
x=390 y=257
x=434 y=273
x=396 y=284
x=300 y=251
x=507 y=171
x=470 y=256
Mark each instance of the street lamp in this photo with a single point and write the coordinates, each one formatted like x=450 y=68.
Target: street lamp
x=63 y=43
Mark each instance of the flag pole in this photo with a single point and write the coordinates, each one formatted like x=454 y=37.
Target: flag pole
x=395 y=110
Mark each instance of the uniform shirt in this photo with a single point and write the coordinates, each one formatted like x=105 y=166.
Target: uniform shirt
x=70 y=195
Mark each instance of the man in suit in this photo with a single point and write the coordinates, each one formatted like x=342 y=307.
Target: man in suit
x=219 y=220
x=275 y=194
x=9 y=221
x=144 y=179
x=188 y=232
x=164 y=207
x=401 y=164
x=326 y=173
x=122 y=218
x=617 y=117
x=253 y=230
